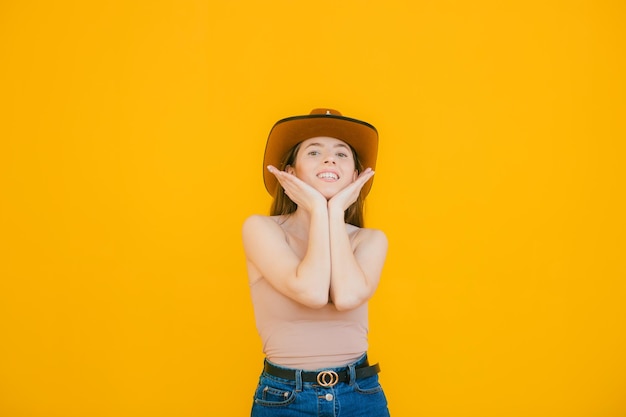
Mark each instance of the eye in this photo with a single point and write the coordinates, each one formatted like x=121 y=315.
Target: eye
x=342 y=154
x=313 y=153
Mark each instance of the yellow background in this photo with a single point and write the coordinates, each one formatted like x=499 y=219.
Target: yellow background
x=131 y=142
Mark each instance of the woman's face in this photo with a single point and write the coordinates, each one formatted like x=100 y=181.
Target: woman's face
x=325 y=163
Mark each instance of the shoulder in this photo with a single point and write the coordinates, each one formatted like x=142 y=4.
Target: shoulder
x=255 y=219
x=259 y=225
x=370 y=248
x=259 y=219
x=365 y=235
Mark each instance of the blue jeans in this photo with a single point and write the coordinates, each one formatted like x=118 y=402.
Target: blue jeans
x=277 y=397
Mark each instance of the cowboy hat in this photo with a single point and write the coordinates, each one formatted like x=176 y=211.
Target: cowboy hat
x=287 y=133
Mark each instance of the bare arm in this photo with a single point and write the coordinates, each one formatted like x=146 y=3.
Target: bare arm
x=268 y=255
x=355 y=272
x=303 y=278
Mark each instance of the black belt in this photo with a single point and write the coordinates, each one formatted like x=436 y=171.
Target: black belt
x=324 y=378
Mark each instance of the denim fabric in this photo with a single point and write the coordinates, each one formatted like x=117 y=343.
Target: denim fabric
x=277 y=397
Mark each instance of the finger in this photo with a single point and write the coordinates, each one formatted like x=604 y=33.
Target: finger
x=364 y=177
x=273 y=169
x=282 y=176
x=367 y=173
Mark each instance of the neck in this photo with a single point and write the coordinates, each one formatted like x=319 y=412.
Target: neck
x=299 y=220
x=298 y=224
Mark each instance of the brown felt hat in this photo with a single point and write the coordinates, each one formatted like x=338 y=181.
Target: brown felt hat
x=287 y=133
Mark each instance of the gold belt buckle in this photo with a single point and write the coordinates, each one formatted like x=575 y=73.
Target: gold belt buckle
x=327 y=378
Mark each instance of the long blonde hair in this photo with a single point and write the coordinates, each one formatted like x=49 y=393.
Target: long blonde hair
x=282 y=204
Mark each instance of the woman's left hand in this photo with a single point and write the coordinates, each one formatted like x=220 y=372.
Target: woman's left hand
x=346 y=197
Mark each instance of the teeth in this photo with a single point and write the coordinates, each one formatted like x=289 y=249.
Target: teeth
x=330 y=175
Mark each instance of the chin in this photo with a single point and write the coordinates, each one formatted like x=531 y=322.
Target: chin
x=329 y=193
x=331 y=190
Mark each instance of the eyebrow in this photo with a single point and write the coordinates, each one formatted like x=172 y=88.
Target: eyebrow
x=338 y=145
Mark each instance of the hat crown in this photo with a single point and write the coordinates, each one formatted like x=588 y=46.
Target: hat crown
x=326 y=111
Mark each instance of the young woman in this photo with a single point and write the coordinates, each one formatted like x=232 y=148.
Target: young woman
x=312 y=268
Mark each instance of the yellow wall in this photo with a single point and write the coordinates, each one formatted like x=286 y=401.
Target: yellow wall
x=131 y=142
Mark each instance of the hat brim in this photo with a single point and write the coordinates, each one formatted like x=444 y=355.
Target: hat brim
x=287 y=133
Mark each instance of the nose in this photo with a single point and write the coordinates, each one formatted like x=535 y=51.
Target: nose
x=329 y=159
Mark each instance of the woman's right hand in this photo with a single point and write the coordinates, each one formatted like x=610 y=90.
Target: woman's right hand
x=298 y=191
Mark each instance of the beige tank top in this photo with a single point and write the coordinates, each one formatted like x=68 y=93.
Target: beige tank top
x=296 y=336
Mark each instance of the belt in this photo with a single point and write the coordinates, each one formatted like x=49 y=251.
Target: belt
x=324 y=378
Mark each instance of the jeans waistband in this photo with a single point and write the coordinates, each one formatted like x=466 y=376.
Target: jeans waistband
x=324 y=377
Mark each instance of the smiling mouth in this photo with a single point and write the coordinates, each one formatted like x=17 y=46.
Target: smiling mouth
x=328 y=176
